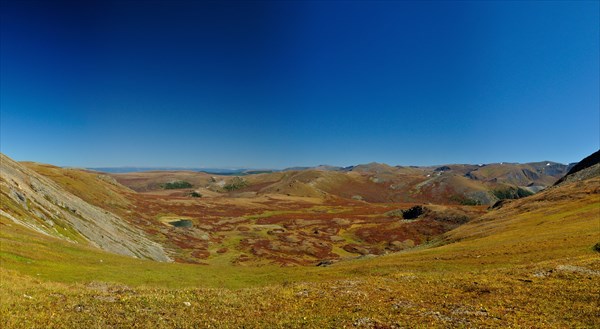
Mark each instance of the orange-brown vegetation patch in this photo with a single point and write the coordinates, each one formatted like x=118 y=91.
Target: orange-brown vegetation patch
x=314 y=215
x=288 y=230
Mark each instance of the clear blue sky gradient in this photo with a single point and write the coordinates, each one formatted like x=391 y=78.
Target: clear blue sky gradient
x=278 y=84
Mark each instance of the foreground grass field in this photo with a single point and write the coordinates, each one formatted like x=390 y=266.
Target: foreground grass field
x=528 y=264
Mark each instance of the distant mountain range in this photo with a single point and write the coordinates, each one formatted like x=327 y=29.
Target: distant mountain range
x=217 y=171
x=323 y=167
x=373 y=182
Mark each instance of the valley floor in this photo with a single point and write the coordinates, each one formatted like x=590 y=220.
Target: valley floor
x=528 y=264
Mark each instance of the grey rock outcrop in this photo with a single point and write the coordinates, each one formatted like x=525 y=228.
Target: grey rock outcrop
x=38 y=203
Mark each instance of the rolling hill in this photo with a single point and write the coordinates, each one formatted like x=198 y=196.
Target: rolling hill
x=530 y=262
x=374 y=182
x=295 y=217
x=39 y=203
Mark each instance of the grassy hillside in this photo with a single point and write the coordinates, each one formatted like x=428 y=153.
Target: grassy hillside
x=374 y=182
x=248 y=225
x=43 y=205
x=527 y=264
x=95 y=188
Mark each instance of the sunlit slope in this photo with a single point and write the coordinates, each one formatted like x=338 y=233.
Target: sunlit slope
x=526 y=174
x=530 y=263
x=451 y=184
x=243 y=226
x=560 y=222
x=154 y=180
x=93 y=187
x=42 y=205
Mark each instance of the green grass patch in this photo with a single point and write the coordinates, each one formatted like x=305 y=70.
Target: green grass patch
x=176 y=185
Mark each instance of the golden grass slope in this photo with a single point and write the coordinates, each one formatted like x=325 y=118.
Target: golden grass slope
x=153 y=180
x=41 y=204
x=93 y=187
x=529 y=264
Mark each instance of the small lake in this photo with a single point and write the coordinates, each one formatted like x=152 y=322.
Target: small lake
x=182 y=223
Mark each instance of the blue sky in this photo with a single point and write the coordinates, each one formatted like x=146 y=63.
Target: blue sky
x=278 y=84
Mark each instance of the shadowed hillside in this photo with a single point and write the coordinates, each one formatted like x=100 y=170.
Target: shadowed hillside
x=586 y=168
